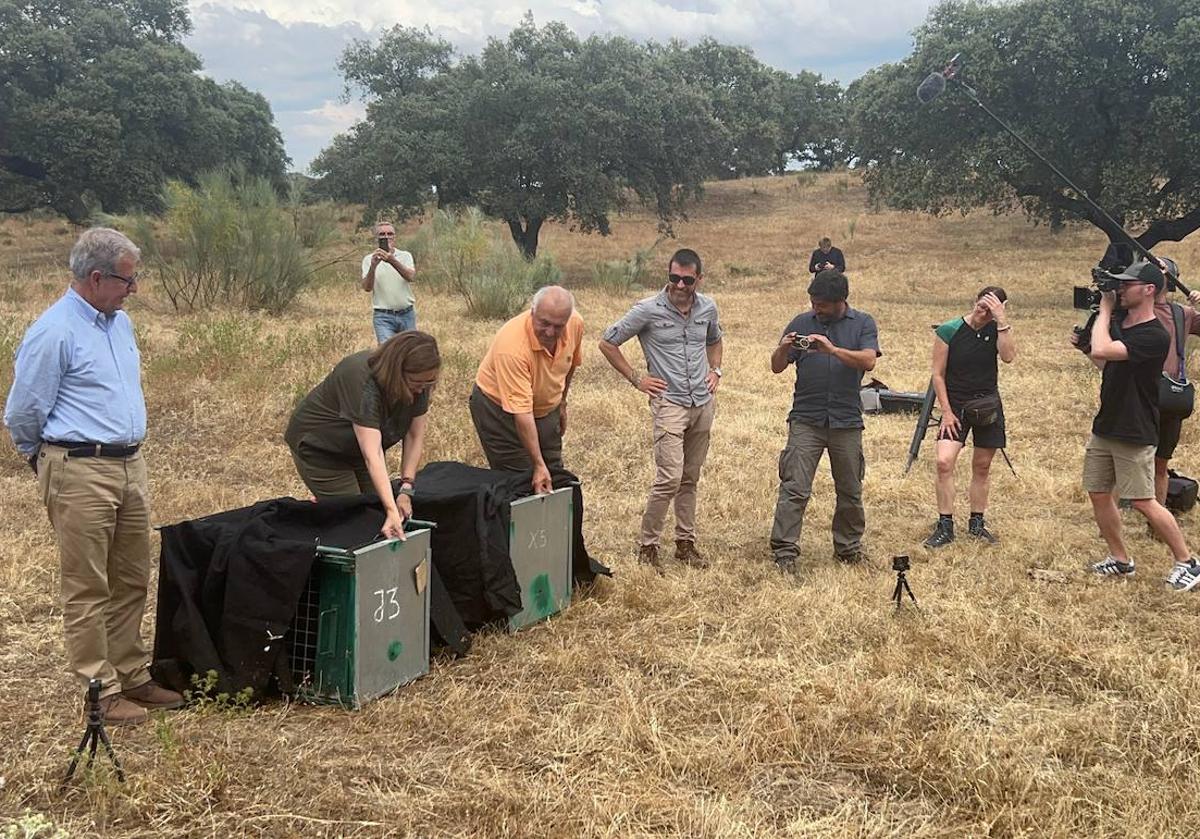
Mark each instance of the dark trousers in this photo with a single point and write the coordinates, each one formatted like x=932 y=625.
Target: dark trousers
x=497 y=430
x=797 y=468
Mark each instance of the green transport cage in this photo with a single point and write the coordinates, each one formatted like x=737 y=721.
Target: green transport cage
x=362 y=625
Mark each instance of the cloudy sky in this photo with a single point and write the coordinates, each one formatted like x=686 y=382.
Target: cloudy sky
x=287 y=49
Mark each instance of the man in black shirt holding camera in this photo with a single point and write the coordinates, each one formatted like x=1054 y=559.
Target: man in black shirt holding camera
x=1119 y=458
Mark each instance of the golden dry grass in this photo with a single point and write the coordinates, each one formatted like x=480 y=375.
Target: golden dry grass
x=728 y=702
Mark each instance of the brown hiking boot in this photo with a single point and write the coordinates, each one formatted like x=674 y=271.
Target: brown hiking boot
x=117 y=710
x=154 y=696
x=648 y=555
x=685 y=552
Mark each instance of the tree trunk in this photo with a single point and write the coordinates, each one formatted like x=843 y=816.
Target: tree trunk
x=526 y=237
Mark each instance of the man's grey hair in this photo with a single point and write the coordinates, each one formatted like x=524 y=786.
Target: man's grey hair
x=380 y=224
x=551 y=291
x=100 y=249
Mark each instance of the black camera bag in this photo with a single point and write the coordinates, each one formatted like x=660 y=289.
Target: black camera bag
x=1177 y=398
x=982 y=411
x=1181 y=492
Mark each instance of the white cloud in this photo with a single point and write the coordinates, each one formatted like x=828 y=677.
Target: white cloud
x=329 y=119
x=288 y=49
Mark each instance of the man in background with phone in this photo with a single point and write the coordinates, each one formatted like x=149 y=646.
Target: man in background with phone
x=386 y=273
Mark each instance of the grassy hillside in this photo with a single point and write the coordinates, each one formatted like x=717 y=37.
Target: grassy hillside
x=726 y=702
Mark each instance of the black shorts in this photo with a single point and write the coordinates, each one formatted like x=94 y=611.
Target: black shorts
x=983 y=437
x=1169 y=428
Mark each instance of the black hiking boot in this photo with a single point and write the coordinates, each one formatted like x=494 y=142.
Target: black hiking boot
x=976 y=528
x=942 y=535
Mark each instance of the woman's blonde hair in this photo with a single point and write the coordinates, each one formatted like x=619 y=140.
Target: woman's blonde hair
x=398 y=359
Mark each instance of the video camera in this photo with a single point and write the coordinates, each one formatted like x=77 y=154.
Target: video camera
x=1088 y=297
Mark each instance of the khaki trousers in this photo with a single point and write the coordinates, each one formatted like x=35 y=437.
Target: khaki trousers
x=798 y=466
x=99 y=508
x=681 y=436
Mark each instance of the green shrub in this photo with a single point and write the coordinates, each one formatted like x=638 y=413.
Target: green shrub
x=619 y=276
x=462 y=252
x=230 y=241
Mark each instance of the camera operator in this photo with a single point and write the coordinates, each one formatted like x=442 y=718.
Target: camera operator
x=965 y=380
x=1171 y=424
x=1119 y=458
x=842 y=344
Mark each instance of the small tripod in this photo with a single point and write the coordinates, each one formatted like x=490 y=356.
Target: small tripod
x=900 y=566
x=93 y=736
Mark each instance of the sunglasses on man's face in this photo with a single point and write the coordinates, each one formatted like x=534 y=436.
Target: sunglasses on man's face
x=676 y=279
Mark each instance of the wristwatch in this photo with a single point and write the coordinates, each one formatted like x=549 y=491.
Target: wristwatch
x=716 y=370
x=406 y=487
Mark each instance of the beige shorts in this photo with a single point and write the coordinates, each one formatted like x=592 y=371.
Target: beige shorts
x=1126 y=469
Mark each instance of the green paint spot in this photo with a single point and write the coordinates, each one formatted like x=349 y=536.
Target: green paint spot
x=395 y=546
x=542 y=595
x=394 y=650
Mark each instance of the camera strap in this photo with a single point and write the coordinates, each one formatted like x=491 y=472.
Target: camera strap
x=1177 y=315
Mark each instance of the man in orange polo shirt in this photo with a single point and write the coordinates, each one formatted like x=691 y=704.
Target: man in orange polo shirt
x=519 y=402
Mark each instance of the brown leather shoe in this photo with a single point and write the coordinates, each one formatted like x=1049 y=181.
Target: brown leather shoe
x=648 y=555
x=685 y=552
x=152 y=695
x=117 y=710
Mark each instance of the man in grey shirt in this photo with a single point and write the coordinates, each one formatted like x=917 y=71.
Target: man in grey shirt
x=842 y=344
x=681 y=340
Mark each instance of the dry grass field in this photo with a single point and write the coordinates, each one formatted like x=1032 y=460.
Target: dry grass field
x=718 y=703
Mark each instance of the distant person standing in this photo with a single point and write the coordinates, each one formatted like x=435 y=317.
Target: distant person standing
x=76 y=412
x=1170 y=424
x=386 y=273
x=681 y=340
x=826 y=257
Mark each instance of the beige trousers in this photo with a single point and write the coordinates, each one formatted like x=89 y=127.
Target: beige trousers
x=99 y=508
x=681 y=437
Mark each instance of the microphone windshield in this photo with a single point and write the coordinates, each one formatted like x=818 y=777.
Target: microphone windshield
x=931 y=88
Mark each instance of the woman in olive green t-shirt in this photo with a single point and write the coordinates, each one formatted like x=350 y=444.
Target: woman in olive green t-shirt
x=370 y=401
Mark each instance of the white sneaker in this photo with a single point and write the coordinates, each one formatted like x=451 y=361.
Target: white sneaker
x=1184 y=576
x=1110 y=566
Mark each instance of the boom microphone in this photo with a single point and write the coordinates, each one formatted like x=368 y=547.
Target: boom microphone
x=935 y=83
x=931 y=88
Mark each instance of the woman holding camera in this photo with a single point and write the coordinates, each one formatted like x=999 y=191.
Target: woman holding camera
x=368 y=403
x=964 y=377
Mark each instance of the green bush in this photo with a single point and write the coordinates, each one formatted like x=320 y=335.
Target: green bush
x=462 y=252
x=229 y=241
x=619 y=276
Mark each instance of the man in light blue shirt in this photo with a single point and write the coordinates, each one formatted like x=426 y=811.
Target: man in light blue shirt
x=77 y=413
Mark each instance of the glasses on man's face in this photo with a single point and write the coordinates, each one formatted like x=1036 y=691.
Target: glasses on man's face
x=130 y=282
x=387 y=235
x=676 y=279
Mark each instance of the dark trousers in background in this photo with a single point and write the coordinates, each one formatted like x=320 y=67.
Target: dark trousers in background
x=798 y=466
x=497 y=430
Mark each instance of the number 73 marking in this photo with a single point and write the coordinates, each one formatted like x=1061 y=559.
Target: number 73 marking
x=387 y=597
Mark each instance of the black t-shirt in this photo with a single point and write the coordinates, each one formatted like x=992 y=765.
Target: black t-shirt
x=322 y=426
x=971 y=361
x=819 y=258
x=1129 y=389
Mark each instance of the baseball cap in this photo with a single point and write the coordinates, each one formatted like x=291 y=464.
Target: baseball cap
x=1142 y=272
